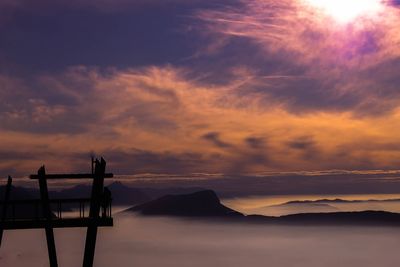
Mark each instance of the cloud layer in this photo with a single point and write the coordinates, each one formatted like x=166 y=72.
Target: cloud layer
x=238 y=87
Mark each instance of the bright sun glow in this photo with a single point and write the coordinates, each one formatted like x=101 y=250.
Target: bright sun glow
x=346 y=11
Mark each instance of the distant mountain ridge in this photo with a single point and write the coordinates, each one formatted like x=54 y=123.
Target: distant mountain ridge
x=339 y=200
x=18 y=193
x=206 y=204
x=22 y=211
x=299 y=206
x=359 y=218
x=122 y=194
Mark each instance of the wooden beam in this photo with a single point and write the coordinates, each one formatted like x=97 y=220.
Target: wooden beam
x=5 y=206
x=97 y=194
x=52 y=201
x=69 y=176
x=44 y=195
x=64 y=223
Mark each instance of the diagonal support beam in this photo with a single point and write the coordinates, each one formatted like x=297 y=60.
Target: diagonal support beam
x=5 y=206
x=44 y=195
x=97 y=194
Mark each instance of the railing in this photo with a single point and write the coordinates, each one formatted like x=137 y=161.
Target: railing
x=31 y=209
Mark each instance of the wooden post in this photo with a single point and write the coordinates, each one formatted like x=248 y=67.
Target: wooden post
x=97 y=193
x=5 y=206
x=44 y=195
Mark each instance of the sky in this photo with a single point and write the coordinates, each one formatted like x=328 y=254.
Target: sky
x=190 y=86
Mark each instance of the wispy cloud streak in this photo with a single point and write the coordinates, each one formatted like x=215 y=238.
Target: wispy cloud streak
x=346 y=66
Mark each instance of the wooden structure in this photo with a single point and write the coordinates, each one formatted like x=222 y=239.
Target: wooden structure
x=48 y=214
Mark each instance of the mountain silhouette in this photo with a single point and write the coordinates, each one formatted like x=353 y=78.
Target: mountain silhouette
x=360 y=218
x=206 y=204
x=19 y=193
x=121 y=194
x=199 y=204
x=341 y=201
x=292 y=207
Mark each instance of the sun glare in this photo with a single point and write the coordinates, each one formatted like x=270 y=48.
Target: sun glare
x=346 y=11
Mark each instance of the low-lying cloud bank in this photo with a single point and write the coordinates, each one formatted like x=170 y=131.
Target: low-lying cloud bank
x=168 y=242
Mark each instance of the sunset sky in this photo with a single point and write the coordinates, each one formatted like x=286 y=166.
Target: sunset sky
x=194 y=86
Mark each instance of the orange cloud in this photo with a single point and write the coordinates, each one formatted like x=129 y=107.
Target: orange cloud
x=162 y=119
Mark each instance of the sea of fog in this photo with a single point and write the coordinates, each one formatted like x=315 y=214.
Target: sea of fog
x=169 y=242
x=281 y=204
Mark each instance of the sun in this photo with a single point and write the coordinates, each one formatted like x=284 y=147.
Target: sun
x=346 y=11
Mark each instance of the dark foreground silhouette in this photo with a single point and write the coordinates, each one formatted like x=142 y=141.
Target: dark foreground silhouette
x=38 y=213
x=206 y=204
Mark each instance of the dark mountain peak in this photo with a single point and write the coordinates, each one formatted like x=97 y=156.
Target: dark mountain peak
x=81 y=187
x=205 y=197
x=199 y=204
x=118 y=185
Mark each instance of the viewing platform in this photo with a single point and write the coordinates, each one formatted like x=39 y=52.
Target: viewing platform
x=46 y=213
